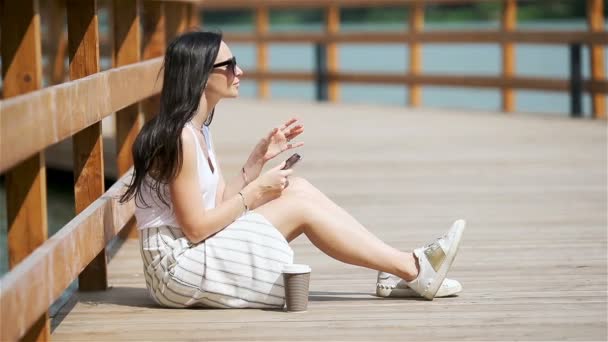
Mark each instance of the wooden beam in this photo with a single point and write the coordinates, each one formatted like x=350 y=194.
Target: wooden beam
x=32 y=286
x=451 y=37
x=83 y=42
x=595 y=20
x=177 y=20
x=532 y=83
x=153 y=45
x=509 y=21
x=26 y=182
x=416 y=25
x=55 y=113
x=332 y=26
x=240 y=4
x=127 y=42
x=262 y=23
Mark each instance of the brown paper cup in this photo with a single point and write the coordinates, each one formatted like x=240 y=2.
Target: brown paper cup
x=297 y=279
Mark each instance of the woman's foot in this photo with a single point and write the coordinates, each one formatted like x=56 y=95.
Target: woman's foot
x=435 y=260
x=390 y=285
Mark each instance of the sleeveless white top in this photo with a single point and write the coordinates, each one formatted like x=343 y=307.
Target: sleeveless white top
x=158 y=214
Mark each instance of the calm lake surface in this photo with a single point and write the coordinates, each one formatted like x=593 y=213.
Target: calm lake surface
x=474 y=59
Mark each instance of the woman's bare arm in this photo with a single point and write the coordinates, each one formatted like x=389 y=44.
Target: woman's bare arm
x=197 y=222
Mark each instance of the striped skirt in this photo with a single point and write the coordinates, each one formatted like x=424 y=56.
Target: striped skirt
x=238 y=267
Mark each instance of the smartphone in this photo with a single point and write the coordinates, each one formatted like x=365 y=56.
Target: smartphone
x=291 y=161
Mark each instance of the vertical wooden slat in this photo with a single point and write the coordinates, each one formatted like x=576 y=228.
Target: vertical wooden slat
x=262 y=23
x=177 y=19
x=194 y=19
x=153 y=45
x=509 y=22
x=83 y=46
x=25 y=183
x=416 y=24
x=127 y=42
x=595 y=20
x=56 y=35
x=332 y=25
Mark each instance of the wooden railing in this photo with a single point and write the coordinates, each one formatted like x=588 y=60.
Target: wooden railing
x=32 y=119
x=328 y=77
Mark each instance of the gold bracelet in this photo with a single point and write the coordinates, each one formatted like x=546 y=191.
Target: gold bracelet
x=244 y=176
x=244 y=204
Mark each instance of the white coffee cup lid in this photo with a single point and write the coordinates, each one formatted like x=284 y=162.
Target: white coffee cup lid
x=296 y=268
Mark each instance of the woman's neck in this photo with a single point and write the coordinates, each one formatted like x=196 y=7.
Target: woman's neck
x=204 y=110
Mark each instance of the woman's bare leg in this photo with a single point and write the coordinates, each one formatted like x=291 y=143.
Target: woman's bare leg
x=302 y=208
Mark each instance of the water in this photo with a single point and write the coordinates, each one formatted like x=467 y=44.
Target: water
x=542 y=61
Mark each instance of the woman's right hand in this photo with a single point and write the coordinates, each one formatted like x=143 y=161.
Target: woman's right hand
x=269 y=185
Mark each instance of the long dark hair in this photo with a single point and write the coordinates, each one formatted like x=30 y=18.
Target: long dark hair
x=157 y=150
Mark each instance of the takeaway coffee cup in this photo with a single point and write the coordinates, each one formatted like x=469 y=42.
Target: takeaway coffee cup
x=297 y=279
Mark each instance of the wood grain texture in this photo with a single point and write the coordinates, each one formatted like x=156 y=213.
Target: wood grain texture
x=87 y=145
x=509 y=22
x=26 y=182
x=416 y=24
x=153 y=45
x=223 y=4
x=55 y=113
x=533 y=259
x=33 y=285
x=595 y=20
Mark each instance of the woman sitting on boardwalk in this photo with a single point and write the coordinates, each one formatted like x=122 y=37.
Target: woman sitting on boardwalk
x=207 y=242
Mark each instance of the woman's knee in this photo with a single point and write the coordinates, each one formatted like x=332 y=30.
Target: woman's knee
x=300 y=187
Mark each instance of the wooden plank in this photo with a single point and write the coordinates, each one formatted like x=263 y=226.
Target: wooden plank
x=56 y=41
x=55 y=113
x=153 y=45
x=32 y=286
x=595 y=20
x=177 y=20
x=332 y=26
x=507 y=178
x=443 y=37
x=416 y=25
x=127 y=40
x=262 y=23
x=509 y=21
x=194 y=21
x=83 y=42
x=240 y=4
x=26 y=182
x=532 y=83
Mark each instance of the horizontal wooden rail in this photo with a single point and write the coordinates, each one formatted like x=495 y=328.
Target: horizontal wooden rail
x=452 y=37
x=33 y=122
x=239 y=4
x=28 y=290
x=547 y=84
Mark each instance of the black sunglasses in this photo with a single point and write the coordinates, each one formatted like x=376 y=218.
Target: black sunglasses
x=230 y=64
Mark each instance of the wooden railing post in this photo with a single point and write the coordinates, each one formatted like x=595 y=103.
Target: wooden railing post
x=194 y=20
x=26 y=182
x=177 y=19
x=595 y=20
x=416 y=25
x=332 y=26
x=127 y=42
x=262 y=23
x=153 y=45
x=509 y=21
x=83 y=46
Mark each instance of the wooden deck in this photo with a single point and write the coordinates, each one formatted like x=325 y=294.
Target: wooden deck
x=533 y=261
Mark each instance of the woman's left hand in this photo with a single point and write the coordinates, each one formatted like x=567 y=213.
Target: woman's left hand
x=275 y=143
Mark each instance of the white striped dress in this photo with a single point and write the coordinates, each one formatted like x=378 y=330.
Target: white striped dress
x=238 y=267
